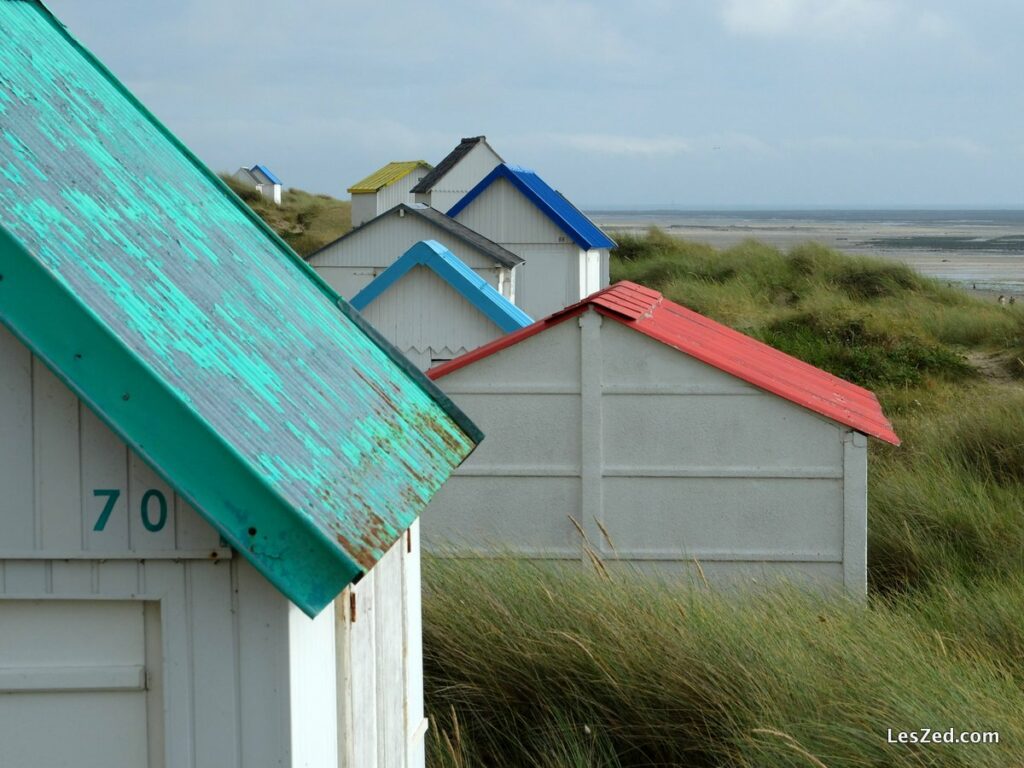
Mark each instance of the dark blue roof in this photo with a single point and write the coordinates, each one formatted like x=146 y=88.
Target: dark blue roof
x=447 y=266
x=266 y=172
x=551 y=202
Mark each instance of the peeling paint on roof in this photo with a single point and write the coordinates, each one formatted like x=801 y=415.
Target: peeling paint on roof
x=210 y=347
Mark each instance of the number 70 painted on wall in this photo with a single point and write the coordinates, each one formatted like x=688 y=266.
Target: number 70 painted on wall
x=152 y=509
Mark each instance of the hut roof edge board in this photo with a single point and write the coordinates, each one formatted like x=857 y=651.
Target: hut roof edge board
x=477 y=291
x=463 y=148
x=548 y=200
x=501 y=255
x=201 y=338
x=648 y=312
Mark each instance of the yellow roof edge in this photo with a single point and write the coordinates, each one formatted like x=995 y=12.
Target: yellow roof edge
x=388 y=174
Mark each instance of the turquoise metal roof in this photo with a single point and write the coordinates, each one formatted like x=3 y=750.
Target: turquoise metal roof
x=210 y=347
x=549 y=201
x=450 y=268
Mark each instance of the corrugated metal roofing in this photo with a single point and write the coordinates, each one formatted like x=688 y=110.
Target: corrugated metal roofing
x=566 y=216
x=648 y=312
x=167 y=305
x=389 y=174
x=266 y=172
x=471 y=237
x=450 y=160
x=477 y=291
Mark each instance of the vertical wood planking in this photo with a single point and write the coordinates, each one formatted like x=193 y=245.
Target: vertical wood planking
x=313 y=695
x=26 y=578
x=118 y=578
x=155 y=740
x=412 y=605
x=146 y=489
x=261 y=632
x=104 y=470
x=72 y=578
x=363 y=662
x=392 y=738
x=167 y=579
x=193 y=533
x=343 y=654
x=17 y=491
x=58 y=462
x=213 y=670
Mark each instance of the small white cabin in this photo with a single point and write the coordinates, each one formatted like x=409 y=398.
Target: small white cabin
x=671 y=442
x=461 y=170
x=260 y=178
x=433 y=307
x=566 y=254
x=385 y=188
x=355 y=259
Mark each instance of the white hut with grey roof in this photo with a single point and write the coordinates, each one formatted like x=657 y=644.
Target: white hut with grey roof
x=352 y=261
x=460 y=171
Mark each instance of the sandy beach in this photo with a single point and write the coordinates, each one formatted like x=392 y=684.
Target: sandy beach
x=980 y=253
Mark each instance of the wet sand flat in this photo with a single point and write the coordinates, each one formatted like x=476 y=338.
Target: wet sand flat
x=987 y=256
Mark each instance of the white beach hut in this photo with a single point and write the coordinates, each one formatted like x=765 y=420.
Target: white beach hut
x=385 y=188
x=460 y=171
x=566 y=254
x=355 y=259
x=433 y=307
x=211 y=466
x=673 y=442
x=260 y=178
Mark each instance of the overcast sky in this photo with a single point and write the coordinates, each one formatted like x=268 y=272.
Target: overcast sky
x=708 y=104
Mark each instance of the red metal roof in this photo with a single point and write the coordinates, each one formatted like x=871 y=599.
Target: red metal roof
x=648 y=312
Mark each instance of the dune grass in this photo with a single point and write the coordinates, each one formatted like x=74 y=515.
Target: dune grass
x=304 y=220
x=531 y=666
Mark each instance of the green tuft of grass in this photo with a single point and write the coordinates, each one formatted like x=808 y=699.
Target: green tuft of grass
x=304 y=220
x=531 y=659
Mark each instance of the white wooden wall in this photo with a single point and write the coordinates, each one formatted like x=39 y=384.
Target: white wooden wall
x=676 y=460
x=551 y=276
x=428 y=320
x=350 y=264
x=381 y=723
x=466 y=174
x=245 y=678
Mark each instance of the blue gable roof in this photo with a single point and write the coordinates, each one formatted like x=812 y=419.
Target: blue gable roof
x=565 y=215
x=447 y=266
x=266 y=172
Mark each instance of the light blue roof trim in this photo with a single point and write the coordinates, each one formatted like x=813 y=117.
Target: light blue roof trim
x=550 y=202
x=477 y=291
x=266 y=172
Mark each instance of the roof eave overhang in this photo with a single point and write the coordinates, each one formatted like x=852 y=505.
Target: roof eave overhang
x=281 y=542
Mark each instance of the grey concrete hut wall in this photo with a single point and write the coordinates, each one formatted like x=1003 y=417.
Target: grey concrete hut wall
x=678 y=461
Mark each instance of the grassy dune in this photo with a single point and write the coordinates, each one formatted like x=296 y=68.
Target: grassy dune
x=304 y=220
x=527 y=666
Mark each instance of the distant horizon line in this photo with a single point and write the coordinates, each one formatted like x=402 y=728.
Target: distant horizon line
x=672 y=208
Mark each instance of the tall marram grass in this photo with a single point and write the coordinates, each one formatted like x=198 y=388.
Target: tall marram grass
x=533 y=666
x=540 y=666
